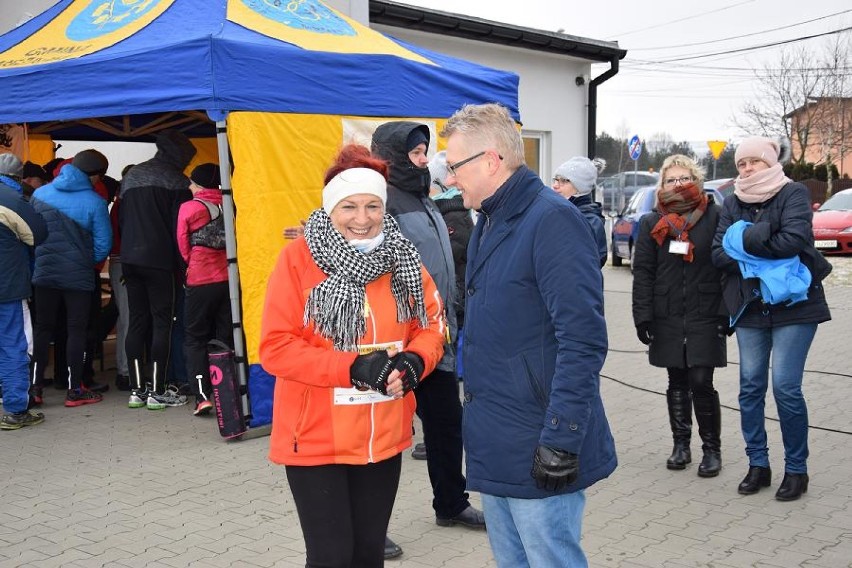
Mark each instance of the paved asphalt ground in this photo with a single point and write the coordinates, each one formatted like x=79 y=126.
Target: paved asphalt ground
x=105 y=485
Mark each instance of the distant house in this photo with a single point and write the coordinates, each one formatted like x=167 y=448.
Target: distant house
x=823 y=127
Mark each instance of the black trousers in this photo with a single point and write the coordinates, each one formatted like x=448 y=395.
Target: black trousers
x=344 y=511
x=207 y=315
x=699 y=380
x=440 y=412
x=151 y=301
x=77 y=309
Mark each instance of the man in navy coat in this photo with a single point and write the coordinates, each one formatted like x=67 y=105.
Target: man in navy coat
x=535 y=431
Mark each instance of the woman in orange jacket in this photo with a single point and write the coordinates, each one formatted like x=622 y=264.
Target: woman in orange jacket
x=352 y=322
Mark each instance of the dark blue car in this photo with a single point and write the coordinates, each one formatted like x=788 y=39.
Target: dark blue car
x=625 y=230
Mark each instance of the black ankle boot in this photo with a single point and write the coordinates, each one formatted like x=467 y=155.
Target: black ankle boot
x=756 y=478
x=708 y=414
x=710 y=465
x=792 y=487
x=680 y=419
x=681 y=455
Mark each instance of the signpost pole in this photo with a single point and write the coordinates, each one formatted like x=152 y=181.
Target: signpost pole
x=635 y=149
x=716 y=148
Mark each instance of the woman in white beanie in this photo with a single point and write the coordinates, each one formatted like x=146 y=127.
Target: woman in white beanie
x=575 y=180
x=767 y=224
x=352 y=322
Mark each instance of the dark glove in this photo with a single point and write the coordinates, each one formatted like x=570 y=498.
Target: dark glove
x=410 y=366
x=553 y=469
x=724 y=328
x=371 y=371
x=643 y=332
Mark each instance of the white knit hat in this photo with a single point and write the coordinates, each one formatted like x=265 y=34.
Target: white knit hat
x=581 y=172
x=354 y=181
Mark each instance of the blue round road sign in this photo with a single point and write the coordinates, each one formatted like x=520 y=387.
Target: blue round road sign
x=635 y=147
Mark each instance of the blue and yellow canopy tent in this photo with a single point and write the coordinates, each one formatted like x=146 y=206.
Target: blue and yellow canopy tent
x=286 y=83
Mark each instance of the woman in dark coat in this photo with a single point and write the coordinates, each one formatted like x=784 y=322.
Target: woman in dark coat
x=771 y=217
x=677 y=307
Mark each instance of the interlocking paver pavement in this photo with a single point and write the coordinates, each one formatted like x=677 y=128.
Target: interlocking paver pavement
x=104 y=485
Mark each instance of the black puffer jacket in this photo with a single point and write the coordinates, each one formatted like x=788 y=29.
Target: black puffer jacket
x=783 y=228
x=682 y=300
x=459 y=226
x=418 y=217
x=151 y=194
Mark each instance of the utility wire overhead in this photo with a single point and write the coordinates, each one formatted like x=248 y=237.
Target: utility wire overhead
x=753 y=48
x=690 y=17
x=738 y=36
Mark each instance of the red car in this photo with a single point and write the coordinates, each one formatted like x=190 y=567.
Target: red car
x=833 y=224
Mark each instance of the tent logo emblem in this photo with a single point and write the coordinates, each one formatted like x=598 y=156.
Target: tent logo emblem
x=308 y=15
x=102 y=17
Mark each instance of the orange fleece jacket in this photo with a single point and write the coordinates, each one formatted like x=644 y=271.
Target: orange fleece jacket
x=318 y=417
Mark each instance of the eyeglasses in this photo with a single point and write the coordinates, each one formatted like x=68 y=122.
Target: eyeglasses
x=560 y=180
x=678 y=181
x=453 y=167
x=457 y=165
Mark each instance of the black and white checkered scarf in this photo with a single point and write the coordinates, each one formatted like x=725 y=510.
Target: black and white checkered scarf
x=336 y=305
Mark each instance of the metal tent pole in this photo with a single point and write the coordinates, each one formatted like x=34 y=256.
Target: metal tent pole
x=231 y=252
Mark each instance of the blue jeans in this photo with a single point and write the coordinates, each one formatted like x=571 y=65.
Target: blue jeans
x=536 y=533
x=789 y=347
x=14 y=362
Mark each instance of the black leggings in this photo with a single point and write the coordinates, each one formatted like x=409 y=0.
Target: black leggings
x=697 y=379
x=207 y=315
x=151 y=301
x=344 y=511
x=77 y=308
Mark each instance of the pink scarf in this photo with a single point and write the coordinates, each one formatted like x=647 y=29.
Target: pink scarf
x=761 y=186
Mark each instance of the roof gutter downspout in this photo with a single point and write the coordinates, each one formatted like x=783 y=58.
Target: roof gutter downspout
x=593 y=104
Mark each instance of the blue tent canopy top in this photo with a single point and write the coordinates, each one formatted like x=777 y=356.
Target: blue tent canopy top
x=83 y=59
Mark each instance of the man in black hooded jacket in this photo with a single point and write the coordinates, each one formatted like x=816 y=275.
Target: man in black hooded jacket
x=151 y=194
x=404 y=145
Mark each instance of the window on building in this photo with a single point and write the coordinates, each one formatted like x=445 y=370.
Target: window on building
x=534 y=151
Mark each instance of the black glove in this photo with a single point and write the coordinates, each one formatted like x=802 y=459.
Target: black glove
x=724 y=328
x=371 y=371
x=643 y=332
x=410 y=366
x=553 y=469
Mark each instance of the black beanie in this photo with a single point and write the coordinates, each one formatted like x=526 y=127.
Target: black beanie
x=34 y=170
x=91 y=162
x=206 y=175
x=415 y=138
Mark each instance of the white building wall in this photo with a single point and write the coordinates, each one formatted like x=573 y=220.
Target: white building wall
x=549 y=99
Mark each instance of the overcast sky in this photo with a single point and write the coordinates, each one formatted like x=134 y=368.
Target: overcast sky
x=695 y=99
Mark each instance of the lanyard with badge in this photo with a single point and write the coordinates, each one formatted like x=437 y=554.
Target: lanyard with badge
x=676 y=245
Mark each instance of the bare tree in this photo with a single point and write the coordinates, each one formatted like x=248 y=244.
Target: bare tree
x=658 y=143
x=784 y=86
x=833 y=121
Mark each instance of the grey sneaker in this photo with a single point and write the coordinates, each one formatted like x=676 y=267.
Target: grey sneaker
x=21 y=419
x=161 y=401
